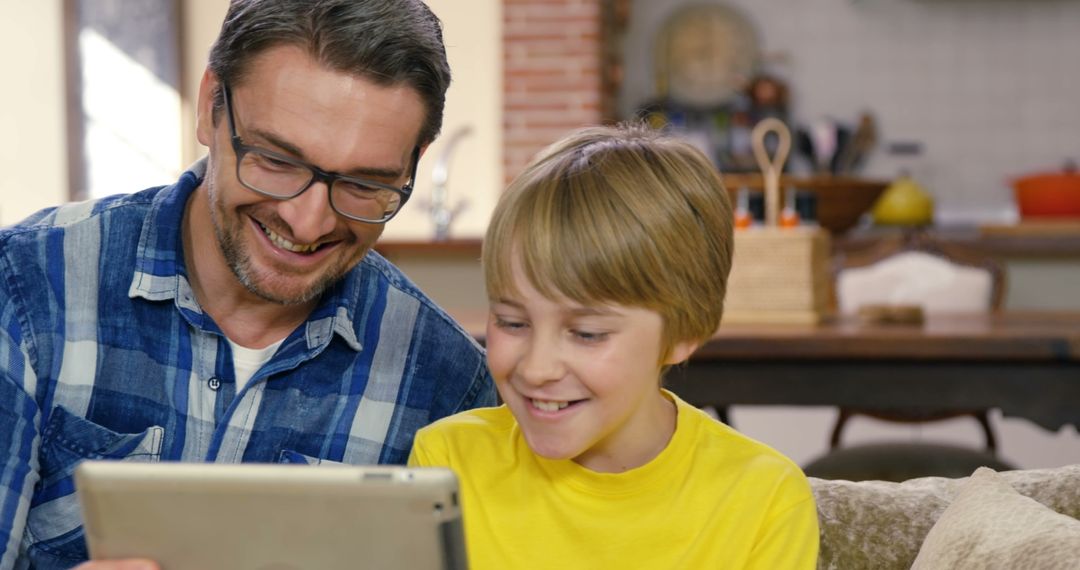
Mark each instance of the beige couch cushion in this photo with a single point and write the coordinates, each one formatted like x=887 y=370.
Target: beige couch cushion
x=989 y=525
x=881 y=525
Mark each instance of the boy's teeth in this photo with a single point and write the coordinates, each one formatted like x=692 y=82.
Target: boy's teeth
x=286 y=244
x=549 y=406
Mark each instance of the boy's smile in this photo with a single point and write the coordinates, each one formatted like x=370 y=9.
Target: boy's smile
x=583 y=382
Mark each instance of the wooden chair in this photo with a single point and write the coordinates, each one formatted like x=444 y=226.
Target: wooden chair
x=912 y=270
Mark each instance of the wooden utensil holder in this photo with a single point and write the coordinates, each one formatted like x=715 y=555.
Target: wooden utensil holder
x=778 y=275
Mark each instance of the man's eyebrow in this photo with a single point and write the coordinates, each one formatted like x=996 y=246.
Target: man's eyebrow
x=366 y=172
x=279 y=142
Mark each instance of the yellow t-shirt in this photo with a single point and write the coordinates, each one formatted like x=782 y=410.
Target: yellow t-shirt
x=713 y=498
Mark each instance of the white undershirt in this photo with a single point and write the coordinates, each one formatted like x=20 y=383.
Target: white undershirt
x=248 y=361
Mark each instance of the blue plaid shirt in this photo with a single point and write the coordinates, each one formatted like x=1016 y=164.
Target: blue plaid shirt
x=105 y=353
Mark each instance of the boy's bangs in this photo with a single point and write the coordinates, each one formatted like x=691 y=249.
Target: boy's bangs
x=547 y=263
x=566 y=243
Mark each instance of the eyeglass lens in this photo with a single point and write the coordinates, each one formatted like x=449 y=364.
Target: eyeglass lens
x=283 y=179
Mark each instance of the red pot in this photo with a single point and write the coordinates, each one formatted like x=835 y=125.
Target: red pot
x=1049 y=194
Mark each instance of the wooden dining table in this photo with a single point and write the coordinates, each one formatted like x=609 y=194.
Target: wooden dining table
x=1025 y=363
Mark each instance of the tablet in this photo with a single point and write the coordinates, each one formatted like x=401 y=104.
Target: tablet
x=189 y=516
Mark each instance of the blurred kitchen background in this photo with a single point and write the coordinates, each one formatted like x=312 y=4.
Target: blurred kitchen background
x=963 y=96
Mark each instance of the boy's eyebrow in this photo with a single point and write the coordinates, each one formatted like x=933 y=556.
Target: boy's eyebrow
x=505 y=301
x=593 y=312
x=574 y=311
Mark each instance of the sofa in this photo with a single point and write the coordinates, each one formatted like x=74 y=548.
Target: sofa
x=1013 y=519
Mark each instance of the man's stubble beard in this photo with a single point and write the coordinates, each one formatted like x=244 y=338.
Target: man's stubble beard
x=236 y=257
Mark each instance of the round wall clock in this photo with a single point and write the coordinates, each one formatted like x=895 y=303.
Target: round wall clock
x=705 y=53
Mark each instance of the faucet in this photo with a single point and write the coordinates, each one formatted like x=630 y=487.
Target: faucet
x=442 y=214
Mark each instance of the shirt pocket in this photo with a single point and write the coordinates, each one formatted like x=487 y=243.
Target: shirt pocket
x=54 y=526
x=290 y=456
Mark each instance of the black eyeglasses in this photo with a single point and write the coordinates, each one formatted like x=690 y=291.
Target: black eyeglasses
x=283 y=177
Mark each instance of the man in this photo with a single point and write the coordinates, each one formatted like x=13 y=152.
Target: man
x=238 y=315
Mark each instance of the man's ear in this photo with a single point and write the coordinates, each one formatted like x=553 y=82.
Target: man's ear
x=680 y=351
x=204 y=110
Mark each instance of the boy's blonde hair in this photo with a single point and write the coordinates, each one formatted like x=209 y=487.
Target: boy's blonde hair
x=621 y=215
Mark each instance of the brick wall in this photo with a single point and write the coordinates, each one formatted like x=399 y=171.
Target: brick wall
x=551 y=74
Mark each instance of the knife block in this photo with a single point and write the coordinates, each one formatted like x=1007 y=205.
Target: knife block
x=779 y=275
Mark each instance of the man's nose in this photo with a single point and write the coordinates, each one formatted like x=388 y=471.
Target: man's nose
x=309 y=215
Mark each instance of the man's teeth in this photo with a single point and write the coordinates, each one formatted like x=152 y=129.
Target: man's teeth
x=549 y=406
x=286 y=244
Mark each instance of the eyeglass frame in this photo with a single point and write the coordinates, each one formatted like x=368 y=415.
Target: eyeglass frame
x=317 y=174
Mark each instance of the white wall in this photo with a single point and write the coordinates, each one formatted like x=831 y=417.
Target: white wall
x=473 y=33
x=32 y=115
x=33 y=153
x=989 y=86
x=202 y=21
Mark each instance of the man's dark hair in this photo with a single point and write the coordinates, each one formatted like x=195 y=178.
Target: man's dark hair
x=390 y=42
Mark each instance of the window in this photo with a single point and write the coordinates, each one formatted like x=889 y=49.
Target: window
x=124 y=95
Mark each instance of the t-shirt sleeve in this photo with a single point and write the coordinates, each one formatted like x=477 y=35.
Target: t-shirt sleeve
x=428 y=450
x=790 y=537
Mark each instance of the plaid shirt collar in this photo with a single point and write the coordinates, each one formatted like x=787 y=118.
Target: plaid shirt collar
x=160 y=273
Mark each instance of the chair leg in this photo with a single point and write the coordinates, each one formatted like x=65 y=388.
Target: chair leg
x=722 y=414
x=984 y=420
x=842 y=418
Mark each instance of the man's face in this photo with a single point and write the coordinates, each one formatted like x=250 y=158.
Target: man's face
x=290 y=251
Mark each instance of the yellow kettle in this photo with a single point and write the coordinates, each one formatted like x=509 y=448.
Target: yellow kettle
x=904 y=203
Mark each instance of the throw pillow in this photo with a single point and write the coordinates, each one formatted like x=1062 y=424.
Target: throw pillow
x=989 y=525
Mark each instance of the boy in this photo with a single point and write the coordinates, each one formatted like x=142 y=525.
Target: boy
x=606 y=262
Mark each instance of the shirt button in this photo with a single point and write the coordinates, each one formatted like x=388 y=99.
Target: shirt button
x=214 y=384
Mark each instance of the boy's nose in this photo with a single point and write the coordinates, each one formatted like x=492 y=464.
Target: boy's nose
x=309 y=215
x=541 y=363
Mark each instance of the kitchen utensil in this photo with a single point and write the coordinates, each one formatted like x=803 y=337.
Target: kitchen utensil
x=823 y=135
x=1050 y=195
x=771 y=167
x=862 y=141
x=789 y=217
x=805 y=146
x=743 y=217
x=806 y=207
x=779 y=274
x=843 y=141
x=841 y=200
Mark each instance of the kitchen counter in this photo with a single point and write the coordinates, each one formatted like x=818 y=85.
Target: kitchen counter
x=1026 y=239
x=1042 y=262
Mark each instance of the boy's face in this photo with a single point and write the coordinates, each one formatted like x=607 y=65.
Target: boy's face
x=582 y=381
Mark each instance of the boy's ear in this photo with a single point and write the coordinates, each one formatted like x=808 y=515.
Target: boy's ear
x=680 y=351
